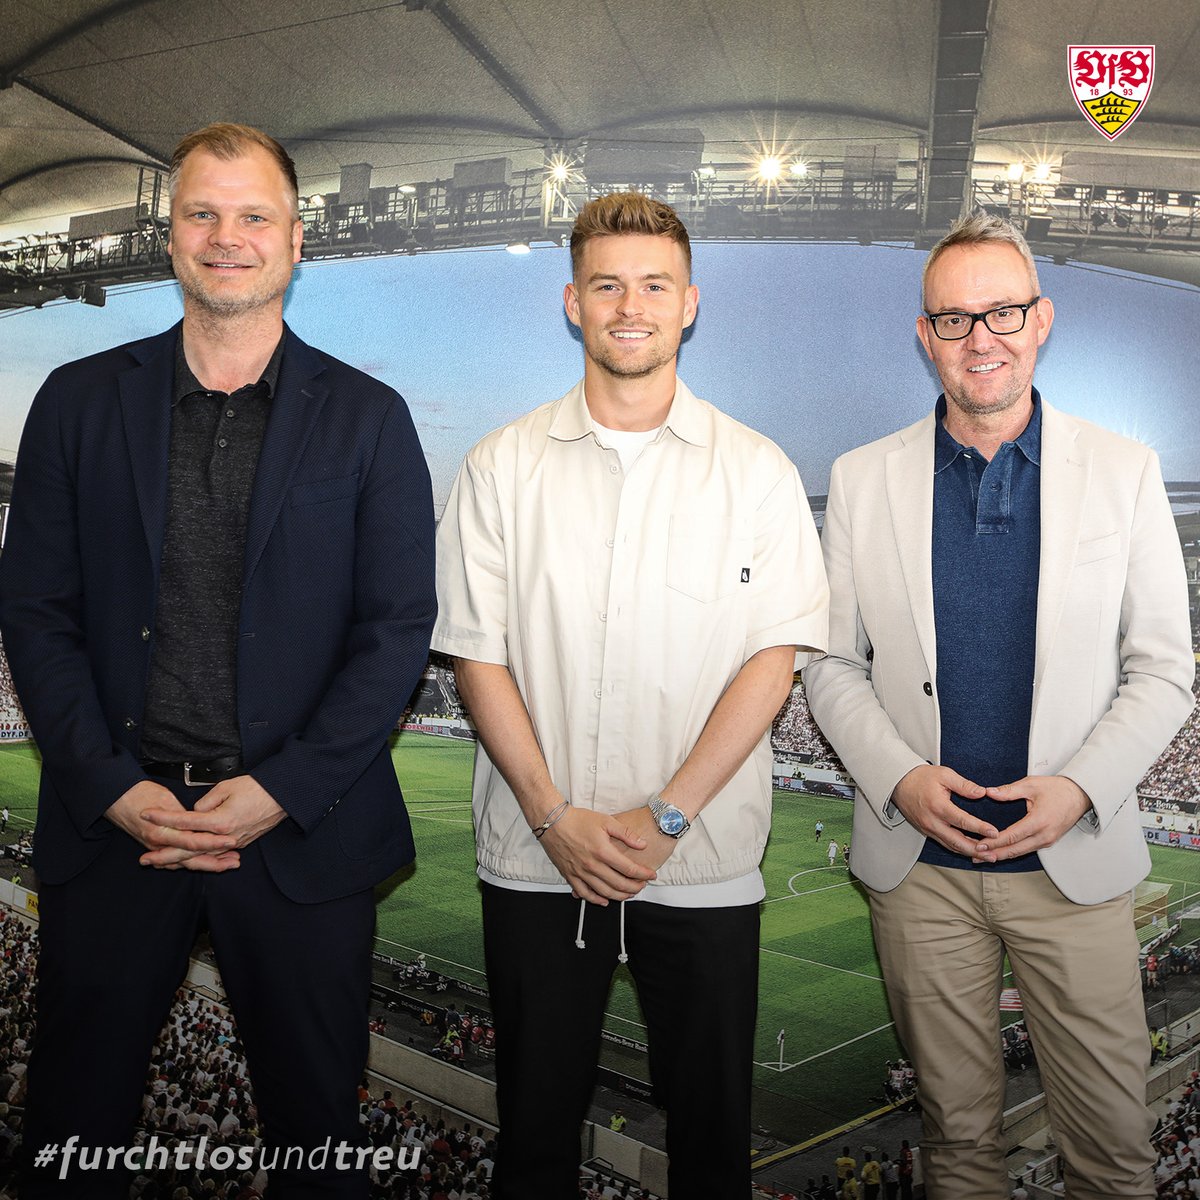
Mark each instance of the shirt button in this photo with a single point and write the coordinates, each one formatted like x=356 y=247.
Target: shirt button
x=927 y=688
x=230 y=413
x=613 y=469
x=598 y=693
x=592 y=768
x=145 y=634
x=608 y=542
x=222 y=442
x=604 y=616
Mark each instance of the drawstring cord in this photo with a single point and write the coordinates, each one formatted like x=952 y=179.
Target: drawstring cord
x=580 y=944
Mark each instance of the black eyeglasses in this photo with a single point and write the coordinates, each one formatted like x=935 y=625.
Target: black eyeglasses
x=954 y=326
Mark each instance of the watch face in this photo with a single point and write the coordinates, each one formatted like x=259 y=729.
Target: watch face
x=672 y=822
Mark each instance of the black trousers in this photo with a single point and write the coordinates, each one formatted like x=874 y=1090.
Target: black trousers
x=114 y=947
x=696 y=972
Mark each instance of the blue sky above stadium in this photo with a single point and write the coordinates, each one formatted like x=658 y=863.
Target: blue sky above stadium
x=813 y=344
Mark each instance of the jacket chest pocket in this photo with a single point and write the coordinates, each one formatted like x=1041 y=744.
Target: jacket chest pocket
x=709 y=556
x=322 y=491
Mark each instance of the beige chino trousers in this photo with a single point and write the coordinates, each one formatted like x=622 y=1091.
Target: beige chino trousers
x=941 y=937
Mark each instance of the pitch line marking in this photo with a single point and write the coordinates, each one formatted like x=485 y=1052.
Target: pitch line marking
x=829 y=1050
x=812 y=962
x=476 y=971
x=811 y=891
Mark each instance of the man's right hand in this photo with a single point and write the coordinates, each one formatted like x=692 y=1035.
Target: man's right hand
x=926 y=798
x=585 y=846
x=203 y=851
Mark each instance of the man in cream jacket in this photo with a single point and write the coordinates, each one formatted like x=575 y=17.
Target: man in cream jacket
x=1009 y=652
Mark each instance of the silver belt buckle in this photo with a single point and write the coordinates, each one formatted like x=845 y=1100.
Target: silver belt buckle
x=187 y=776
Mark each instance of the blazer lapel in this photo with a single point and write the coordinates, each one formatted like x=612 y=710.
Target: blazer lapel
x=1065 y=472
x=298 y=400
x=146 y=414
x=908 y=472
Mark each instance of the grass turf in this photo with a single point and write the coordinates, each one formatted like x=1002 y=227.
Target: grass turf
x=819 y=978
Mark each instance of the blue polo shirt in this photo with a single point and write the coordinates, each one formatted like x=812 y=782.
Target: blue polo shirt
x=986 y=541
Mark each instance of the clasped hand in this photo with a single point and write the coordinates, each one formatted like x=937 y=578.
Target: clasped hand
x=926 y=798
x=606 y=856
x=226 y=819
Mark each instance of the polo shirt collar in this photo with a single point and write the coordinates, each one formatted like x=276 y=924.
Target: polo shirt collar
x=686 y=419
x=186 y=383
x=946 y=449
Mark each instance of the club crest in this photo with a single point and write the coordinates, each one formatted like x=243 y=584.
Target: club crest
x=1111 y=84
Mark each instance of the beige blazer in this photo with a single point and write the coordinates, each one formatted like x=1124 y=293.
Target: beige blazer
x=1113 y=666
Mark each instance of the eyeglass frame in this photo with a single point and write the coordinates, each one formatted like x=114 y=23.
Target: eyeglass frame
x=981 y=316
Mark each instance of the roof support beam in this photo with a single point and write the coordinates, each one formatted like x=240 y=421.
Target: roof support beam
x=86 y=161
x=10 y=71
x=474 y=45
x=963 y=29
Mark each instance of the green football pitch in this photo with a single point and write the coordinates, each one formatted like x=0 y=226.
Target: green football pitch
x=819 y=978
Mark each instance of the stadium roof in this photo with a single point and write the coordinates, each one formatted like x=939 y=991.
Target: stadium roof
x=93 y=88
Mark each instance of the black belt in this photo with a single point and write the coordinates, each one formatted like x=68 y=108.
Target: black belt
x=196 y=772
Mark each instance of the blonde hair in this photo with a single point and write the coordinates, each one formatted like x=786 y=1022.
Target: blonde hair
x=627 y=212
x=982 y=229
x=227 y=141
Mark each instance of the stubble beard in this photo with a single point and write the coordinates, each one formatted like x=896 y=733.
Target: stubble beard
x=619 y=368
x=211 y=303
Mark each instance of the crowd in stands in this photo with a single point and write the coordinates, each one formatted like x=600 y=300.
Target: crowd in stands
x=1175 y=777
x=13 y=725
x=1018 y=1047
x=1158 y=967
x=436 y=696
x=795 y=730
x=1177 y=1140
x=881 y=1177
x=457 y=1031
x=198 y=1084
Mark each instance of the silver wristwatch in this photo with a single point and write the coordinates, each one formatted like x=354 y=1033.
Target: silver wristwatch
x=669 y=819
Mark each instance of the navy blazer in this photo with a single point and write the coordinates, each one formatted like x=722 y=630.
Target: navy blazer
x=337 y=605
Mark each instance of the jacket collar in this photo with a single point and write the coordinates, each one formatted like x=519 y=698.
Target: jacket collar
x=146 y=390
x=688 y=418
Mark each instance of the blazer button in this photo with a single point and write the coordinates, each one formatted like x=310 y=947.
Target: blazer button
x=130 y=723
x=927 y=687
x=145 y=634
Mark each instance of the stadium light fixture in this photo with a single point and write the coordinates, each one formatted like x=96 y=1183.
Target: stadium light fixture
x=1041 y=173
x=407 y=189
x=518 y=247
x=800 y=168
x=1015 y=172
x=707 y=171
x=769 y=168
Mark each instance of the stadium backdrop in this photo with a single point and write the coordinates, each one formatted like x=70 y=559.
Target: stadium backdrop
x=812 y=344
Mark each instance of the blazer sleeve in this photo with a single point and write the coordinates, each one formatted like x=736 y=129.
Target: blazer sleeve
x=839 y=686
x=43 y=623
x=387 y=642
x=1157 y=664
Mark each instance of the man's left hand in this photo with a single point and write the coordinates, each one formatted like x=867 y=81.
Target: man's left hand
x=659 y=847
x=239 y=807
x=1054 y=803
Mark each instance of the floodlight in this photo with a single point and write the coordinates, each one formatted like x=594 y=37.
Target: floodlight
x=769 y=168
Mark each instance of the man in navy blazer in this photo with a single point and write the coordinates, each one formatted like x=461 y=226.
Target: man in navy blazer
x=216 y=597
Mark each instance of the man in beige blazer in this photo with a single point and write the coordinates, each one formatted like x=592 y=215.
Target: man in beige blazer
x=1010 y=650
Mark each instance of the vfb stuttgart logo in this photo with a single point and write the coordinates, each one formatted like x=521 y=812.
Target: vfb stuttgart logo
x=1110 y=84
